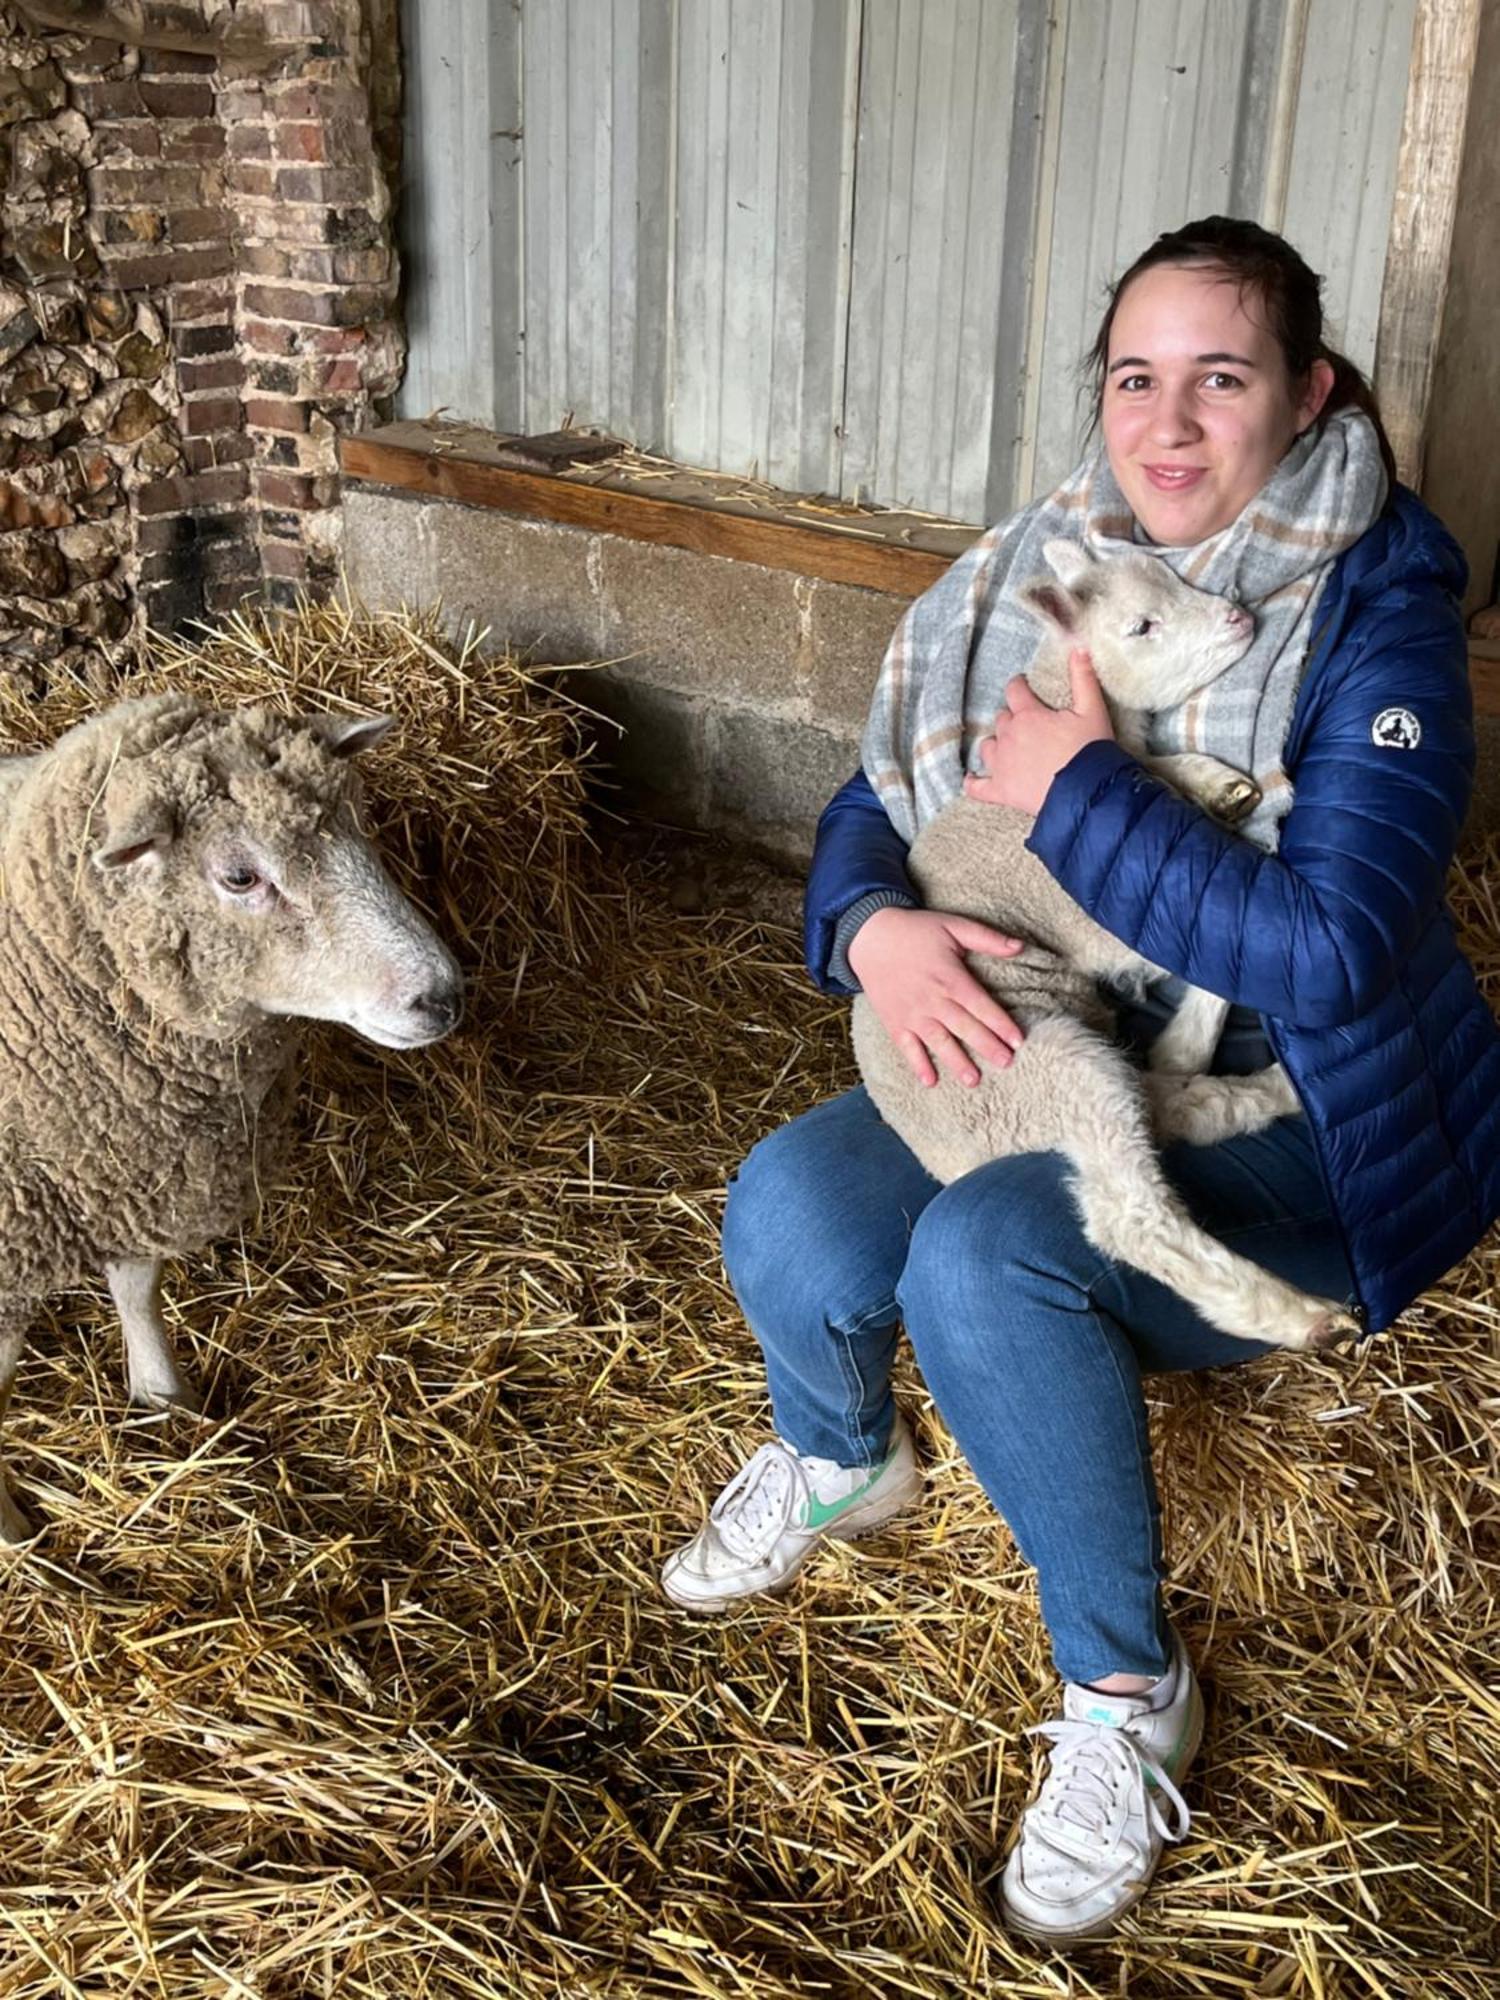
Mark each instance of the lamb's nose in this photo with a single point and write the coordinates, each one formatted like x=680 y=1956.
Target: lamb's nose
x=1239 y=619
x=439 y=1008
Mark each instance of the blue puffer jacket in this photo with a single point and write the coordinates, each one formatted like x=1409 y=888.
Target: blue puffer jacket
x=1341 y=940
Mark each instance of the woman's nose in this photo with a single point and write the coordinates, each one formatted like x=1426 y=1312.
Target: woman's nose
x=1173 y=421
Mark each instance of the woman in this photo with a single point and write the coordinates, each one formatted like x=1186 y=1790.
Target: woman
x=1251 y=455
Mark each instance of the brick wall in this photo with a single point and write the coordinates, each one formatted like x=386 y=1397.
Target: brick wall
x=197 y=288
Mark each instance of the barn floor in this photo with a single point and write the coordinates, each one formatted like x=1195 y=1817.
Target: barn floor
x=362 y=1686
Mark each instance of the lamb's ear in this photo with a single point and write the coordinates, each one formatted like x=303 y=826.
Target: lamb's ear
x=1069 y=561
x=1052 y=604
x=142 y=835
x=348 y=735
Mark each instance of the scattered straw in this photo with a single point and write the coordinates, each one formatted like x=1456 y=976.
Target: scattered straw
x=364 y=1687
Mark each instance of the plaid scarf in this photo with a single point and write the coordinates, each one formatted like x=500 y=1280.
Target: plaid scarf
x=945 y=670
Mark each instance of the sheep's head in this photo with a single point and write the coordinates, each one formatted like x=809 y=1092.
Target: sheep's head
x=1153 y=638
x=232 y=880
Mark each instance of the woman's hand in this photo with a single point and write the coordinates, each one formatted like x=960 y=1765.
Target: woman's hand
x=1031 y=742
x=911 y=966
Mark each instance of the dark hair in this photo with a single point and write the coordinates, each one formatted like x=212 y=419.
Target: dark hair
x=1289 y=295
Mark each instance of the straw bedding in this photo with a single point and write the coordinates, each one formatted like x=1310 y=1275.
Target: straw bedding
x=362 y=1686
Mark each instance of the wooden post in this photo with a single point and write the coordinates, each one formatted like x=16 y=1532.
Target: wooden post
x=1444 y=39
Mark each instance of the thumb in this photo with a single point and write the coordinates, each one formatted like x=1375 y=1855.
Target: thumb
x=1083 y=683
x=975 y=936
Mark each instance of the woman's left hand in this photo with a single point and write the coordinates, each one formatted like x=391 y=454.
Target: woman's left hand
x=1031 y=743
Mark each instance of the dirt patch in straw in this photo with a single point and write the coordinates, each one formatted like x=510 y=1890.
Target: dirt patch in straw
x=363 y=1687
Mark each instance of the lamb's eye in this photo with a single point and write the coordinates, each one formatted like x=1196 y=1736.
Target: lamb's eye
x=240 y=880
x=1141 y=627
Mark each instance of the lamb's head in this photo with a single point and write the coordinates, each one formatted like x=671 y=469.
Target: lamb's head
x=231 y=880
x=1154 y=639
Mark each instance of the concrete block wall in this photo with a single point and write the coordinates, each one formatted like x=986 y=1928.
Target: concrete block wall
x=740 y=692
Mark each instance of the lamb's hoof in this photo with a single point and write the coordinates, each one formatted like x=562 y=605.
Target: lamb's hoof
x=180 y=1396
x=1331 y=1329
x=1236 y=800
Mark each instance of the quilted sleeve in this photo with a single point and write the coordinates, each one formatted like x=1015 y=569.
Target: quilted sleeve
x=1313 y=935
x=858 y=857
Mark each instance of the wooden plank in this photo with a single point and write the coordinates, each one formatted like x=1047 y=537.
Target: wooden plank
x=808 y=550
x=1416 y=265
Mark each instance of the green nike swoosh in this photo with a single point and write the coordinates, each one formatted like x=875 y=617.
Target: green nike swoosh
x=821 y=1512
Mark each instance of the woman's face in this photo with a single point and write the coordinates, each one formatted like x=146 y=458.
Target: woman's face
x=1198 y=407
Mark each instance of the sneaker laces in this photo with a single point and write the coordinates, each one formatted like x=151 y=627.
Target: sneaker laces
x=757 y=1505
x=1092 y=1765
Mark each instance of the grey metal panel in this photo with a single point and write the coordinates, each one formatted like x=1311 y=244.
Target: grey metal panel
x=930 y=251
x=460 y=208
x=596 y=87
x=762 y=192
x=1342 y=181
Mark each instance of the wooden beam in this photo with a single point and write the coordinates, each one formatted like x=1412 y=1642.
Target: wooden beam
x=399 y=456
x=1444 y=38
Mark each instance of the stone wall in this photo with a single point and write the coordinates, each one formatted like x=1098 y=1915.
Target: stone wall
x=197 y=291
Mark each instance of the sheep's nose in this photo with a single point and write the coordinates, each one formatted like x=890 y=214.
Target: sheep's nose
x=1239 y=618
x=439 y=1008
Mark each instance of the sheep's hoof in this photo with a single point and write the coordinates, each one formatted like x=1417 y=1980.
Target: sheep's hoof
x=15 y=1529
x=180 y=1396
x=1236 y=800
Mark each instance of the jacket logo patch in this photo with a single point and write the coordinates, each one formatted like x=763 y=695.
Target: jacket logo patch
x=1396 y=729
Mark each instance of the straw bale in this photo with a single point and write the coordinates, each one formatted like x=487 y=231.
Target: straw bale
x=362 y=1687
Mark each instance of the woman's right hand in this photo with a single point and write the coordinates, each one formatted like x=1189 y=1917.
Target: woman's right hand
x=910 y=964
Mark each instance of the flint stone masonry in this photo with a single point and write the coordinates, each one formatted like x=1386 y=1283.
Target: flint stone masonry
x=197 y=293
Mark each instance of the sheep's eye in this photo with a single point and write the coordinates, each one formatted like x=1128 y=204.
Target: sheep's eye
x=1141 y=627
x=239 y=881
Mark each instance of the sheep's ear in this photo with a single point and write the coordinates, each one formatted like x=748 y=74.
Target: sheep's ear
x=141 y=836
x=348 y=735
x=1052 y=604
x=1068 y=561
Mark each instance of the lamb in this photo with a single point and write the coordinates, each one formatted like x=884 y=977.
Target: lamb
x=179 y=889
x=1154 y=642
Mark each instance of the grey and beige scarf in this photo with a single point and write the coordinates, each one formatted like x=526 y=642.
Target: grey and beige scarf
x=946 y=669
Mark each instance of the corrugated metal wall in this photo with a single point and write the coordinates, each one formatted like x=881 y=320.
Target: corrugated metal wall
x=859 y=245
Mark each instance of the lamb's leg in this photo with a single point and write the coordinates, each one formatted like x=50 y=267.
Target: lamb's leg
x=1131 y=1211
x=151 y=1367
x=15 y=1318
x=1204 y=1110
x=1221 y=790
x=1185 y=1046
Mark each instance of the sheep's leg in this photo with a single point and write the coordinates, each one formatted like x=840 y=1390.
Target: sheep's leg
x=1131 y=1211
x=151 y=1367
x=15 y=1318
x=1186 y=1045
x=1204 y=1110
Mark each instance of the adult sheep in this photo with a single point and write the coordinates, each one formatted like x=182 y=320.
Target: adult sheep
x=179 y=888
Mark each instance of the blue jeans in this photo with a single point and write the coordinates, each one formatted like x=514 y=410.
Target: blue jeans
x=1032 y=1343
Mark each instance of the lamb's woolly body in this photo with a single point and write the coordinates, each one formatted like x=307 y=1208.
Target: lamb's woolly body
x=122 y=1132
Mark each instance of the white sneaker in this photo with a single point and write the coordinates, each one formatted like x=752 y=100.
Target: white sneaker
x=1092 y=1837
x=773 y=1514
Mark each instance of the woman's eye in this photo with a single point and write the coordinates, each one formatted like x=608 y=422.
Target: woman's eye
x=1219 y=380
x=1141 y=627
x=1135 y=382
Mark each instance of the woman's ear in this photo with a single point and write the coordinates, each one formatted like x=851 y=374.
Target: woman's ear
x=1320 y=381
